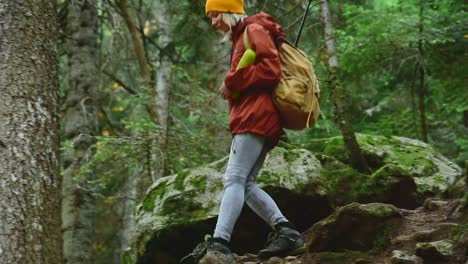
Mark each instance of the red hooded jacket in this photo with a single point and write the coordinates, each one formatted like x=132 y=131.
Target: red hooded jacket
x=254 y=111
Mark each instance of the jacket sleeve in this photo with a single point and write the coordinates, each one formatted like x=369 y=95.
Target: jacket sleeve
x=266 y=72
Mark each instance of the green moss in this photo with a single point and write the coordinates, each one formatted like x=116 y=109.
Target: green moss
x=183 y=208
x=439 y=180
x=290 y=156
x=431 y=184
x=379 y=180
x=269 y=178
x=149 y=199
x=410 y=157
x=402 y=156
x=330 y=146
x=220 y=165
x=388 y=170
x=178 y=203
x=216 y=186
x=382 y=240
x=413 y=160
x=199 y=182
x=179 y=179
x=343 y=183
x=319 y=145
x=128 y=257
x=457 y=233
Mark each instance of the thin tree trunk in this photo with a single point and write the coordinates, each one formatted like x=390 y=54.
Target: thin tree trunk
x=422 y=73
x=132 y=186
x=163 y=82
x=138 y=46
x=132 y=194
x=29 y=134
x=341 y=99
x=80 y=126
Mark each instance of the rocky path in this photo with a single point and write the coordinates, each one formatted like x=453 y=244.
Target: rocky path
x=436 y=233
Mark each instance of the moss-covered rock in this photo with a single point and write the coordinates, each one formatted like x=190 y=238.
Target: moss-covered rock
x=393 y=185
x=178 y=209
x=389 y=184
x=344 y=184
x=436 y=250
x=360 y=227
x=401 y=257
x=432 y=172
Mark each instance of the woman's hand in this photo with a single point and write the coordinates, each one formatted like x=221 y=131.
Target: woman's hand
x=224 y=92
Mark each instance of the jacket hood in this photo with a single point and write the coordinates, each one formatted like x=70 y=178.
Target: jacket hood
x=266 y=21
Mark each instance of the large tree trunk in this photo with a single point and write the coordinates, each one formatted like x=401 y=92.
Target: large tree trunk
x=341 y=99
x=80 y=126
x=163 y=83
x=29 y=136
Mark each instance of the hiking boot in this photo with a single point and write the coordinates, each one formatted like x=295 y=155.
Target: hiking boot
x=285 y=240
x=218 y=253
x=198 y=252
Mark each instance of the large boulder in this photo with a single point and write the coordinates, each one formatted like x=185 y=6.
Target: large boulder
x=178 y=210
x=432 y=172
x=389 y=184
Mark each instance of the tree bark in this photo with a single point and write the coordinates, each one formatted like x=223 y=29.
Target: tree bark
x=163 y=82
x=29 y=134
x=341 y=99
x=127 y=206
x=80 y=126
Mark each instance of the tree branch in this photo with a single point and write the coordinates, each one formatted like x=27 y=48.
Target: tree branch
x=137 y=43
x=120 y=82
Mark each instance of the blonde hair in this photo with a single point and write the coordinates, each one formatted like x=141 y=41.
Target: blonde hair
x=232 y=19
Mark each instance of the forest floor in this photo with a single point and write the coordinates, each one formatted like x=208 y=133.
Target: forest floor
x=434 y=221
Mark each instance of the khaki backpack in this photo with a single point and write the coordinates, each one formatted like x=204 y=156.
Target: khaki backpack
x=297 y=94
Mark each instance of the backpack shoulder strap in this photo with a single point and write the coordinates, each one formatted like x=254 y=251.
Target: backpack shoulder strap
x=277 y=40
x=246 y=38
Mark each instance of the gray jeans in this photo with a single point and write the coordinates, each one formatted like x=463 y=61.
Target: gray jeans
x=248 y=151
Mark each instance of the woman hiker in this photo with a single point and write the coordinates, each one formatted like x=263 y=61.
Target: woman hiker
x=255 y=126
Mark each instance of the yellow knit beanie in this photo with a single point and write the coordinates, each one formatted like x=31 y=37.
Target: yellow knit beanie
x=233 y=6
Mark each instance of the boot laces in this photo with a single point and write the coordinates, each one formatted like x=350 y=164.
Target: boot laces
x=199 y=251
x=275 y=237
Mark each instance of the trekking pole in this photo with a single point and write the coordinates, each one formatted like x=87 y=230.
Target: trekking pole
x=302 y=24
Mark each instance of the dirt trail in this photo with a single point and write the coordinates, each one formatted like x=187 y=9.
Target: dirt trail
x=436 y=220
